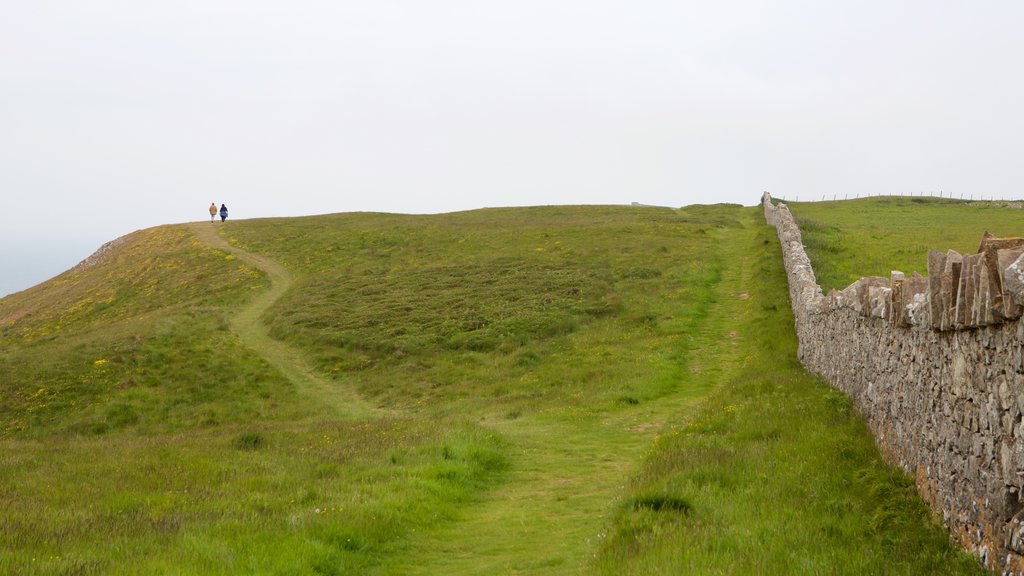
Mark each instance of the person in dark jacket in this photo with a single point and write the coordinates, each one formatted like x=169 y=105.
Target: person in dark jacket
x=223 y=212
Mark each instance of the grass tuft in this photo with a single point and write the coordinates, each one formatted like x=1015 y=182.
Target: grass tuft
x=250 y=441
x=659 y=504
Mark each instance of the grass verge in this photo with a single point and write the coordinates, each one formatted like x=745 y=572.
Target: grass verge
x=777 y=473
x=847 y=240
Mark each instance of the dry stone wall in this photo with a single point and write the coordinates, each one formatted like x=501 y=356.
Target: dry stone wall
x=936 y=365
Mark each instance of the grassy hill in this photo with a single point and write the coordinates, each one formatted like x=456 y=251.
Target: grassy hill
x=552 y=390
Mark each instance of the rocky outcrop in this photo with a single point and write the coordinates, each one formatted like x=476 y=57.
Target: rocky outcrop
x=936 y=365
x=101 y=254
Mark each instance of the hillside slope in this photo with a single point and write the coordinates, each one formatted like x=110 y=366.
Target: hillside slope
x=96 y=348
x=554 y=390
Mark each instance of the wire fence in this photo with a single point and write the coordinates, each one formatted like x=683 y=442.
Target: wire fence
x=938 y=195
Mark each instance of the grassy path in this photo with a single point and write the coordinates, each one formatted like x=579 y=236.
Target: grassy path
x=548 y=516
x=672 y=432
x=570 y=470
x=282 y=357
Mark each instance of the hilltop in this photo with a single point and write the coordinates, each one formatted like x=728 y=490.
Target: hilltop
x=551 y=390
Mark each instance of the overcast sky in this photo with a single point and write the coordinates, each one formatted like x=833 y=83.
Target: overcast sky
x=119 y=115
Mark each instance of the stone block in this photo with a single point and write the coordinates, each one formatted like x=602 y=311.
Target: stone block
x=936 y=265
x=864 y=292
x=832 y=300
x=1013 y=278
x=914 y=306
x=982 y=301
x=990 y=248
x=950 y=286
x=879 y=301
x=1017 y=542
x=849 y=298
x=896 y=279
x=985 y=302
x=1012 y=462
x=960 y=306
x=975 y=301
x=966 y=292
x=1009 y=307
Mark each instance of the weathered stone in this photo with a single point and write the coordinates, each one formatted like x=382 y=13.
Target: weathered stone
x=865 y=291
x=1012 y=463
x=990 y=248
x=879 y=301
x=1017 y=540
x=896 y=296
x=962 y=305
x=986 y=300
x=1005 y=398
x=945 y=406
x=966 y=314
x=1010 y=306
x=966 y=292
x=1013 y=278
x=1009 y=419
x=936 y=265
x=950 y=287
x=915 y=308
x=832 y=300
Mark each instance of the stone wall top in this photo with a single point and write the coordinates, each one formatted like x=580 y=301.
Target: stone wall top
x=960 y=292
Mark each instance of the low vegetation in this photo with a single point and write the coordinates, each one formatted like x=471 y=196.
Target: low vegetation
x=776 y=473
x=847 y=240
x=562 y=390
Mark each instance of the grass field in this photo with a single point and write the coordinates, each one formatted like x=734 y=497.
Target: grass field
x=871 y=237
x=557 y=390
x=777 y=473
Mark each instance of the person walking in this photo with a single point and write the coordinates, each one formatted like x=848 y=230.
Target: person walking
x=223 y=212
x=213 y=211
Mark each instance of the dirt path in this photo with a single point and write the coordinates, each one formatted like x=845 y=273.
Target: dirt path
x=289 y=361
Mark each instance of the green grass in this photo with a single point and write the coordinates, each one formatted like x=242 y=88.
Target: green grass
x=847 y=240
x=143 y=437
x=138 y=341
x=482 y=308
x=561 y=390
x=776 y=474
x=326 y=497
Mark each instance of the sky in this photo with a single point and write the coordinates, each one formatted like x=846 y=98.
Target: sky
x=121 y=115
